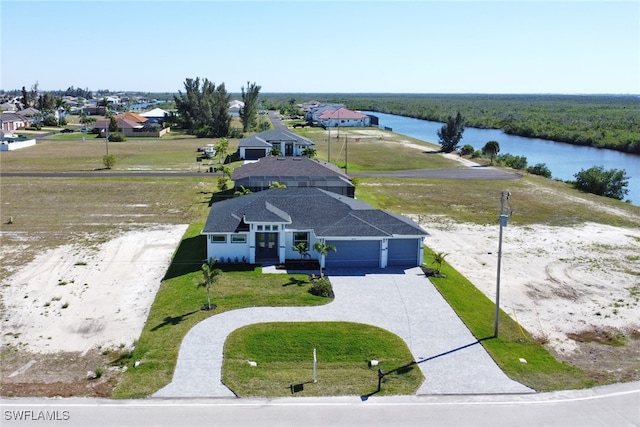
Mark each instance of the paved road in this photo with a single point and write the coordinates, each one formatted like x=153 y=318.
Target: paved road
x=470 y=173
x=610 y=406
x=403 y=302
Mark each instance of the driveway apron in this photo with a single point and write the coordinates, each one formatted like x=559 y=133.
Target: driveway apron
x=403 y=302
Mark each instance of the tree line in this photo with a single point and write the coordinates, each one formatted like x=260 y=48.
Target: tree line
x=601 y=121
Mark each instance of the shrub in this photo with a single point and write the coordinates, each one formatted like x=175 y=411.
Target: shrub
x=109 y=161
x=515 y=162
x=50 y=120
x=609 y=183
x=62 y=121
x=476 y=154
x=322 y=288
x=117 y=137
x=540 y=169
x=466 y=150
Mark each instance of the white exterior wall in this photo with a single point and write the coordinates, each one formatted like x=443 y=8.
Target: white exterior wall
x=226 y=250
x=9 y=146
x=290 y=253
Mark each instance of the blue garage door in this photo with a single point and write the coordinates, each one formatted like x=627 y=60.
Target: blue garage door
x=403 y=252
x=354 y=253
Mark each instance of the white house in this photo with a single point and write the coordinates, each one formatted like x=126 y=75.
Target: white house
x=261 y=144
x=263 y=227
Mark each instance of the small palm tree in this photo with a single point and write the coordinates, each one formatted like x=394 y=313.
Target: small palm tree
x=276 y=184
x=438 y=258
x=301 y=248
x=243 y=191
x=323 y=249
x=309 y=152
x=222 y=148
x=275 y=151
x=211 y=276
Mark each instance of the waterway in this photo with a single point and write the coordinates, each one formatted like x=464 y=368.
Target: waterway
x=563 y=160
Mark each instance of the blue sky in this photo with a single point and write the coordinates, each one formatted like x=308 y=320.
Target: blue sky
x=322 y=46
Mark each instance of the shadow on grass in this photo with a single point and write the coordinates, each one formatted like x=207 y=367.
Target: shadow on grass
x=173 y=321
x=409 y=366
x=188 y=258
x=296 y=282
x=297 y=388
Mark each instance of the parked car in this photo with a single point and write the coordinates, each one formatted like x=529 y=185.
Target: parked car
x=66 y=130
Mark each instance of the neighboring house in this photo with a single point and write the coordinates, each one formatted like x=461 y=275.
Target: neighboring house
x=132 y=124
x=10 y=141
x=263 y=227
x=155 y=116
x=8 y=106
x=293 y=172
x=343 y=117
x=312 y=114
x=260 y=145
x=234 y=108
x=13 y=121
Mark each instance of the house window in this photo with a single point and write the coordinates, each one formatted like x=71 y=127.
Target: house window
x=301 y=237
x=218 y=238
x=238 y=238
x=259 y=228
x=267 y=228
x=275 y=228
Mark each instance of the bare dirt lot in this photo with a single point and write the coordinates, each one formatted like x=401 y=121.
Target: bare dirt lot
x=576 y=289
x=75 y=311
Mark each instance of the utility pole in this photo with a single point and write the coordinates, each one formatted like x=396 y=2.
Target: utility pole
x=504 y=215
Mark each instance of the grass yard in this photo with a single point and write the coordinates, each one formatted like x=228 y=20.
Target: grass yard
x=49 y=212
x=284 y=356
x=176 y=310
x=542 y=372
x=534 y=200
x=375 y=150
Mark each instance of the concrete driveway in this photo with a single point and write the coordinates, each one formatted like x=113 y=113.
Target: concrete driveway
x=403 y=302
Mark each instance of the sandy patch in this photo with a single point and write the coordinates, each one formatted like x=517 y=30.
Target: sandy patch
x=72 y=299
x=554 y=280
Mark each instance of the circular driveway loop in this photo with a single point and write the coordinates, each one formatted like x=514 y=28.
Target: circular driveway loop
x=403 y=302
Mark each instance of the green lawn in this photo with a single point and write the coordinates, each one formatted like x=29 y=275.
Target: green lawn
x=56 y=211
x=284 y=356
x=177 y=308
x=542 y=371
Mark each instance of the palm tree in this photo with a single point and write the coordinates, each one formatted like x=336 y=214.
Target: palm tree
x=222 y=148
x=275 y=151
x=276 y=184
x=301 y=248
x=211 y=276
x=309 y=152
x=491 y=148
x=323 y=249
x=242 y=191
x=438 y=258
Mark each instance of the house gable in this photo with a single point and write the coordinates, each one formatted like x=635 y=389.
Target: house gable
x=282 y=212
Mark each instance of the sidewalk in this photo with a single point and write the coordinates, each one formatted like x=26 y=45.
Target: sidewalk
x=405 y=303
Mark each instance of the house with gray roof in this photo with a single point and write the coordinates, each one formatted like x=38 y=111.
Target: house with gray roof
x=292 y=172
x=260 y=145
x=263 y=227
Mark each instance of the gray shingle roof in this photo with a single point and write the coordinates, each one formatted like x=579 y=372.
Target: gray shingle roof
x=268 y=137
x=328 y=214
x=287 y=167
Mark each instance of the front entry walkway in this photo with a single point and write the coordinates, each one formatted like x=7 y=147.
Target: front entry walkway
x=403 y=302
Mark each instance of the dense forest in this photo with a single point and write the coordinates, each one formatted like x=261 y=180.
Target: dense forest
x=608 y=121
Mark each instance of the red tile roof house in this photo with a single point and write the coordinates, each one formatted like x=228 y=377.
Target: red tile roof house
x=263 y=227
x=292 y=172
x=343 y=117
x=131 y=124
